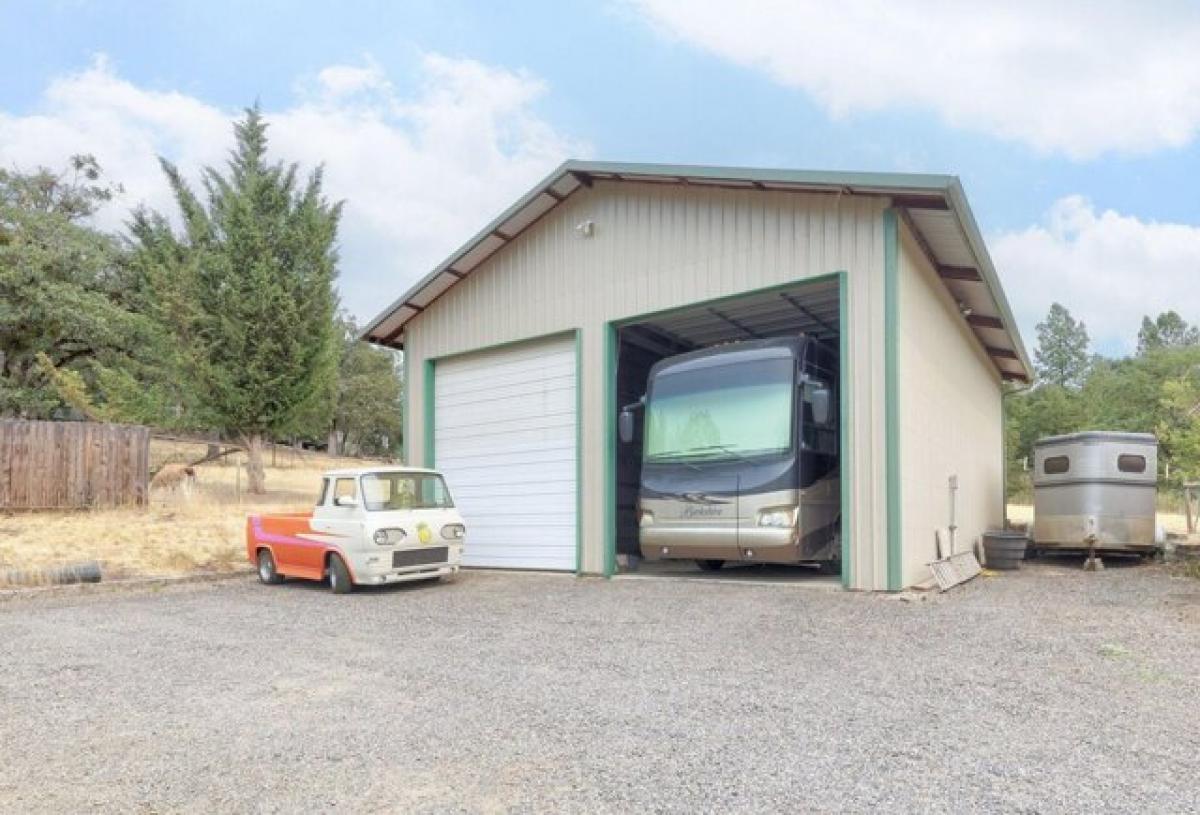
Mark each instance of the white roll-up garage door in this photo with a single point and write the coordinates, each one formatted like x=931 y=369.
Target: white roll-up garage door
x=504 y=436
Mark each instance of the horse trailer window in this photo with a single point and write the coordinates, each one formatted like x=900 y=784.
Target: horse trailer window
x=1129 y=463
x=1056 y=465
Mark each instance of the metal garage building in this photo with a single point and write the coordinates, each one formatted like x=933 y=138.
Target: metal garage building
x=520 y=348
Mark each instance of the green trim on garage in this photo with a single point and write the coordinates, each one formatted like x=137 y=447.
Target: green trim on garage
x=427 y=382
x=891 y=330
x=610 y=449
x=578 y=452
x=846 y=449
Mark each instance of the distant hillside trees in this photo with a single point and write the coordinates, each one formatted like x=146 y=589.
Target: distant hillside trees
x=1168 y=330
x=1061 y=356
x=367 y=407
x=66 y=292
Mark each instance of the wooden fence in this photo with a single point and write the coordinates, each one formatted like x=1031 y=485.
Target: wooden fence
x=53 y=465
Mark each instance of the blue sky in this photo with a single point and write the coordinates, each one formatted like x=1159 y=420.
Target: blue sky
x=1079 y=167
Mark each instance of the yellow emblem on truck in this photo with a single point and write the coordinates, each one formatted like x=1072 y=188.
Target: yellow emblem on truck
x=423 y=533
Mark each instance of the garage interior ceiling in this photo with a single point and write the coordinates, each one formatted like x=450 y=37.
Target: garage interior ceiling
x=809 y=308
x=933 y=207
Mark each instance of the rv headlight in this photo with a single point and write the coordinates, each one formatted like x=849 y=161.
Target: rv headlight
x=387 y=537
x=454 y=532
x=778 y=518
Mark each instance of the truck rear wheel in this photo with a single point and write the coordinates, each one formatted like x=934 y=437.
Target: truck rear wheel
x=710 y=565
x=267 y=573
x=339 y=576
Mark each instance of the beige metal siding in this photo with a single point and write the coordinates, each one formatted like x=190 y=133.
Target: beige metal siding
x=659 y=247
x=950 y=418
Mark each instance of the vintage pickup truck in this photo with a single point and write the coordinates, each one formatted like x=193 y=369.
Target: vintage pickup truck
x=369 y=527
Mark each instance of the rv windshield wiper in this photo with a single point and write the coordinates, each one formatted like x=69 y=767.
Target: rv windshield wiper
x=695 y=452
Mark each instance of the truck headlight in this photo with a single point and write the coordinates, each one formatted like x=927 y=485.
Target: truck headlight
x=454 y=532
x=645 y=517
x=778 y=517
x=387 y=537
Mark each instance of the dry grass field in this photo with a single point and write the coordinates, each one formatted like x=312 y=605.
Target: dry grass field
x=178 y=533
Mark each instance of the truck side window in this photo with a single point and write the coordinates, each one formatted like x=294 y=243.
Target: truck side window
x=324 y=496
x=344 y=488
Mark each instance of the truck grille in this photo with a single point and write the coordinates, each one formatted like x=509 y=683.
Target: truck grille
x=418 y=557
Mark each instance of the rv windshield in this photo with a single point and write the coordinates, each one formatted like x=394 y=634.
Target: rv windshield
x=722 y=412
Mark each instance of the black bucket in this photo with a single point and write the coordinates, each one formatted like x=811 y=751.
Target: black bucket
x=1004 y=550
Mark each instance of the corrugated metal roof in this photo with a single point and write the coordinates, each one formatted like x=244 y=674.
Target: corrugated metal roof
x=934 y=206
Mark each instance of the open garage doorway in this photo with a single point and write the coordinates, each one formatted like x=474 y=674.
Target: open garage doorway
x=728 y=458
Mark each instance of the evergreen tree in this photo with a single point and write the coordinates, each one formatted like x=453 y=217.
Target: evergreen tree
x=247 y=290
x=1062 y=357
x=1167 y=330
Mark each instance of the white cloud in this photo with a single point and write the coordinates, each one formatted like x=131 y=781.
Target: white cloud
x=419 y=173
x=1074 y=77
x=1109 y=269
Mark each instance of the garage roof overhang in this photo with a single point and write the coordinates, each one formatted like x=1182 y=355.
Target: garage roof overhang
x=934 y=207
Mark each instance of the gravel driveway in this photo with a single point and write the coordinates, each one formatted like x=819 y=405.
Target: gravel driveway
x=1046 y=691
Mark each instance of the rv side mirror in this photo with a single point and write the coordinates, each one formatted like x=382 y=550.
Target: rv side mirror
x=625 y=425
x=821 y=399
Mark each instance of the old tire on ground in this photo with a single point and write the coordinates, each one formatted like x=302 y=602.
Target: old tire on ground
x=339 y=576
x=710 y=565
x=267 y=573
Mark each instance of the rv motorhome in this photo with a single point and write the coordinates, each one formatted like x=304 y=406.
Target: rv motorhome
x=740 y=455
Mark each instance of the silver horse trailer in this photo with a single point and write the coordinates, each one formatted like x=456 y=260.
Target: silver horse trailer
x=1095 y=490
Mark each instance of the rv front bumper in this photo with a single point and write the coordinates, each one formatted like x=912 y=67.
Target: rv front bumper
x=759 y=544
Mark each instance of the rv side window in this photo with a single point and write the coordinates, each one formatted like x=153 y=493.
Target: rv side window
x=1056 y=465
x=1130 y=463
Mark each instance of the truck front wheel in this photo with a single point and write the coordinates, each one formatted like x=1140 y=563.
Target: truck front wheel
x=267 y=573
x=339 y=576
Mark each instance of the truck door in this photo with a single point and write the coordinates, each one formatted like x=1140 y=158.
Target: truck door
x=340 y=519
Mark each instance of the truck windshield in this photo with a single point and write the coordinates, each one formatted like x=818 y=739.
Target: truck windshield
x=722 y=412
x=389 y=491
